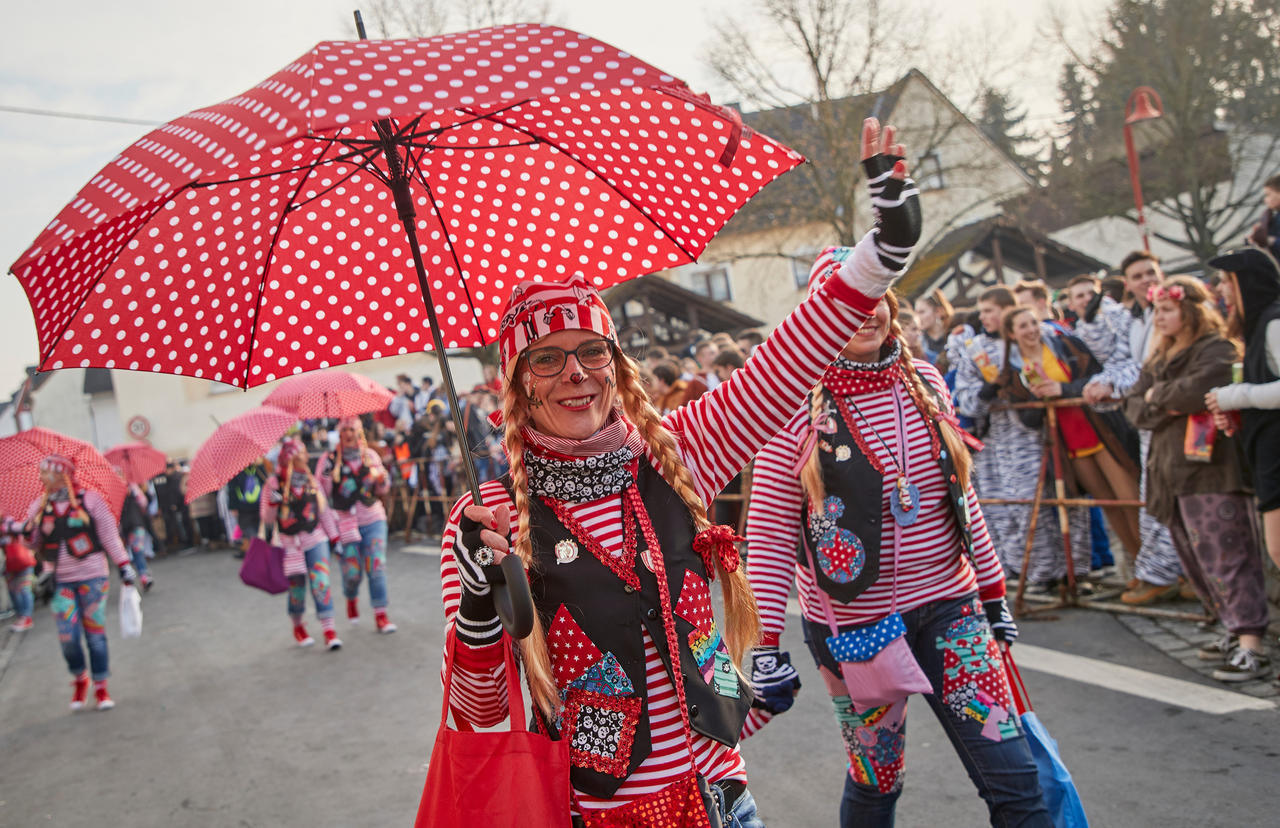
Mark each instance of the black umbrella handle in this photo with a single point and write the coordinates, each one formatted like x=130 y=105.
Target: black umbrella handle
x=512 y=598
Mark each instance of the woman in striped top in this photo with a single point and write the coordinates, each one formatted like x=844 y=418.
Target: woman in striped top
x=863 y=500
x=293 y=502
x=607 y=503
x=76 y=529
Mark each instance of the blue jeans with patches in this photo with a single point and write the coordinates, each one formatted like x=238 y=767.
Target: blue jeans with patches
x=318 y=576
x=80 y=608
x=21 y=592
x=368 y=557
x=953 y=644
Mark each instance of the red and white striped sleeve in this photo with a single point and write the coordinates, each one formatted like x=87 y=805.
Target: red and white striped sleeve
x=721 y=431
x=773 y=526
x=104 y=523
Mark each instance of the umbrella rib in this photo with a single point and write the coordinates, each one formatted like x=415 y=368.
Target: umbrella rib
x=335 y=160
x=266 y=267
x=355 y=168
x=602 y=179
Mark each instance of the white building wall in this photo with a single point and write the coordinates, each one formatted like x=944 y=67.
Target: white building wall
x=61 y=405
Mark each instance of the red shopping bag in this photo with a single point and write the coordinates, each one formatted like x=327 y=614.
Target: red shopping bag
x=498 y=779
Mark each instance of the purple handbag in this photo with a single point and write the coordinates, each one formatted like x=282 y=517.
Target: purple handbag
x=263 y=567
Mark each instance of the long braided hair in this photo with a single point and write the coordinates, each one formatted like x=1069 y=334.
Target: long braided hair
x=742 y=618
x=284 y=474
x=336 y=472
x=925 y=400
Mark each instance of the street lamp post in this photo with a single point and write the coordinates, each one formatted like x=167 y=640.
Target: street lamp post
x=1143 y=105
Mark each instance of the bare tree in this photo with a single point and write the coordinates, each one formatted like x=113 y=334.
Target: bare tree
x=424 y=18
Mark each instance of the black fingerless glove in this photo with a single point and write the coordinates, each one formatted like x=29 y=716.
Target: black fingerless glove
x=1091 y=309
x=477 y=621
x=988 y=391
x=896 y=205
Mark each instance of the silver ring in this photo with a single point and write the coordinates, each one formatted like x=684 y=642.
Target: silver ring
x=482 y=556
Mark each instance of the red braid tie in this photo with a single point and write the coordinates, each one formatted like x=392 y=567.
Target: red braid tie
x=718 y=543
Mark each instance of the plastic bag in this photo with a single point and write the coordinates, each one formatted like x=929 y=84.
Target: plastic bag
x=130 y=612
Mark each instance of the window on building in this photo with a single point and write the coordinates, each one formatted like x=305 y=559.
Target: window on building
x=801 y=264
x=712 y=282
x=928 y=172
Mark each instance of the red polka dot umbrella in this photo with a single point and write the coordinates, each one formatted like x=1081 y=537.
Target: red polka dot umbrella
x=329 y=394
x=20 y=456
x=139 y=461
x=234 y=445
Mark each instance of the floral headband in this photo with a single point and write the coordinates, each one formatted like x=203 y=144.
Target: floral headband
x=1174 y=292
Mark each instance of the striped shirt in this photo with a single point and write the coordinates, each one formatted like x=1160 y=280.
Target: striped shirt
x=363 y=514
x=69 y=567
x=929 y=559
x=295 y=546
x=716 y=436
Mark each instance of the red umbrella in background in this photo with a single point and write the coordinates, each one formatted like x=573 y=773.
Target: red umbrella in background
x=139 y=461
x=20 y=456
x=329 y=394
x=234 y=445
x=375 y=195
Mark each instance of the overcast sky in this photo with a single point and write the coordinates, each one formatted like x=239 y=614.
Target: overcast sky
x=157 y=59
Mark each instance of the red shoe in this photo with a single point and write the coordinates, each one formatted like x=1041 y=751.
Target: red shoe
x=331 y=640
x=103 y=697
x=384 y=623
x=23 y=624
x=79 y=691
x=353 y=611
x=301 y=635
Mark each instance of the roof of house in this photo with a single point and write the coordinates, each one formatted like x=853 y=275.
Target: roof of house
x=672 y=300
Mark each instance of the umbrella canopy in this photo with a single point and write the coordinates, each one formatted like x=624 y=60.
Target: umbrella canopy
x=329 y=394
x=139 y=461
x=259 y=238
x=234 y=445
x=20 y=456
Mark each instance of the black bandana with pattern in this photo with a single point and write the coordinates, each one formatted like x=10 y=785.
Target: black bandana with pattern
x=581 y=479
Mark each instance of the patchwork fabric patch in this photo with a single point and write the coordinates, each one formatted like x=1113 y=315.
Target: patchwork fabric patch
x=600 y=730
x=973 y=679
x=572 y=653
x=725 y=679
x=875 y=742
x=694 y=605
x=605 y=677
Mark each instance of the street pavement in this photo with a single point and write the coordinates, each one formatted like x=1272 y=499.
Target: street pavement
x=220 y=721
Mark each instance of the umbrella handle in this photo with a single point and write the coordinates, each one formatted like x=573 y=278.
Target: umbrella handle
x=513 y=600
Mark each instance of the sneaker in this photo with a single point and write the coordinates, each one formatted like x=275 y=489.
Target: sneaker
x=104 y=698
x=23 y=624
x=1218 y=650
x=353 y=611
x=384 y=624
x=301 y=636
x=1243 y=665
x=331 y=640
x=147 y=582
x=79 y=691
x=1145 y=593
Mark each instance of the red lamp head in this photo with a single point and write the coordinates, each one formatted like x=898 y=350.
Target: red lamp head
x=1143 y=105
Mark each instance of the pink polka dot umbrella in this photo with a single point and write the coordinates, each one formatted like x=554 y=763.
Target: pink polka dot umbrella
x=384 y=197
x=20 y=456
x=329 y=394
x=234 y=445
x=139 y=461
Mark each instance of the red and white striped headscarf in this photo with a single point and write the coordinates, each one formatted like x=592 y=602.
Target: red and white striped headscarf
x=58 y=463
x=540 y=308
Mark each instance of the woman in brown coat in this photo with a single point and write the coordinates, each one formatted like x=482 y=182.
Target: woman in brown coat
x=1200 y=494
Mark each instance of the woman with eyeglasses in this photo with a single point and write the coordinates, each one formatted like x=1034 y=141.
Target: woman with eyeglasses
x=605 y=504
x=354 y=481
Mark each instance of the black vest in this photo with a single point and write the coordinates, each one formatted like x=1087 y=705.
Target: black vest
x=846 y=533
x=74 y=527
x=131 y=516
x=612 y=615
x=1257 y=426
x=351 y=487
x=303 y=514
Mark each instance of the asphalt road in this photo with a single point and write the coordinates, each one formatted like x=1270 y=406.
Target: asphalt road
x=221 y=722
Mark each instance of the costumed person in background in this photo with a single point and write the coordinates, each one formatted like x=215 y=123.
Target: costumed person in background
x=863 y=502
x=606 y=506
x=294 y=504
x=354 y=481
x=19 y=573
x=136 y=531
x=76 y=528
x=1197 y=485
x=1009 y=466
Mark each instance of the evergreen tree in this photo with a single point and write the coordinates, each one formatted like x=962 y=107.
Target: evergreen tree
x=999 y=121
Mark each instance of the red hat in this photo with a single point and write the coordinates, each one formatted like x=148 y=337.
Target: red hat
x=289 y=446
x=540 y=308
x=825 y=266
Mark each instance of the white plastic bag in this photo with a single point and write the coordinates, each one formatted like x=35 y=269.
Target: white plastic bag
x=130 y=612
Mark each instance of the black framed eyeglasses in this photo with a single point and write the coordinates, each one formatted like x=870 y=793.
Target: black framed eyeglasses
x=548 y=361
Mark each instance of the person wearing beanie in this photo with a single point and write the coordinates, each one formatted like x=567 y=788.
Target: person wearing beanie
x=605 y=505
x=863 y=503
x=354 y=481
x=293 y=502
x=75 y=528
